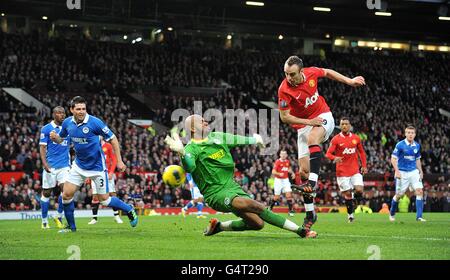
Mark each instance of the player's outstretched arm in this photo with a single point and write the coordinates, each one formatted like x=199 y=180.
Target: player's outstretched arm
x=354 y=82
x=233 y=140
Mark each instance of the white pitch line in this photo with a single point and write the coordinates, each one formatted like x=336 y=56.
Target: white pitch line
x=387 y=237
x=354 y=236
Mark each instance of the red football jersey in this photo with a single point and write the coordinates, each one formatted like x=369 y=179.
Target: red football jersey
x=282 y=166
x=347 y=147
x=303 y=100
x=110 y=157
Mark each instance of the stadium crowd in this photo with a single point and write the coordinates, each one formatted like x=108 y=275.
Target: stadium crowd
x=397 y=84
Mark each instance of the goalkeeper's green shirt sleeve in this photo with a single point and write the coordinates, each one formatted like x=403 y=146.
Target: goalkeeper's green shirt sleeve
x=189 y=158
x=232 y=140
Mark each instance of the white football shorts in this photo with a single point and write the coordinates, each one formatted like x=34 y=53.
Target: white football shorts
x=281 y=186
x=55 y=177
x=302 y=139
x=408 y=178
x=348 y=183
x=99 y=179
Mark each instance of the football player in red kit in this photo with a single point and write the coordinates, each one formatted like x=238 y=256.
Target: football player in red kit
x=344 y=150
x=305 y=110
x=281 y=170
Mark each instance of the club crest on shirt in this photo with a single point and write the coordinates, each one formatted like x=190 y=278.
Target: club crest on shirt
x=227 y=201
x=354 y=142
x=415 y=150
x=312 y=83
x=283 y=104
x=85 y=130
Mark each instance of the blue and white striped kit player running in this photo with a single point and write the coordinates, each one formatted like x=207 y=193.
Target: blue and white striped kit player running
x=90 y=160
x=58 y=157
x=407 y=154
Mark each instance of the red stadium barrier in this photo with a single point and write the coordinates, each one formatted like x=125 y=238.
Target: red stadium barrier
x=5 y=177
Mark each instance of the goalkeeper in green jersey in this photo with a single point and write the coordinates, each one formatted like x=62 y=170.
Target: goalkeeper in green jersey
x=207 y=157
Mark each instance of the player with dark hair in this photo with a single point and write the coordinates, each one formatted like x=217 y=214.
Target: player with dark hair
x=305 y=110
x=344 y=150
x=84 y=131
x=56 y=162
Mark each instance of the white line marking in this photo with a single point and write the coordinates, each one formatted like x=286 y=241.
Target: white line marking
x=354 y=236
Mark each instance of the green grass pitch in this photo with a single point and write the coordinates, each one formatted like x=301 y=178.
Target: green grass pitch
x=178 y=238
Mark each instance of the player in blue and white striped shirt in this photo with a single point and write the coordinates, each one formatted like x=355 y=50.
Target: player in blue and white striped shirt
x=85 y=131
x=408 y=171
x=56 y=162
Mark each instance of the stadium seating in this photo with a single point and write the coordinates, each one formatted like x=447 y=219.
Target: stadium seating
x=53 y=70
